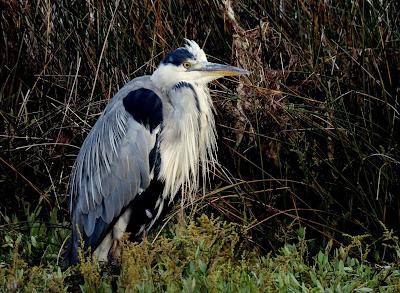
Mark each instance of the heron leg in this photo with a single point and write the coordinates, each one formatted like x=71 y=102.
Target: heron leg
x=101 y=252
x=117 y=234
x=109 y=247
x=114 y=255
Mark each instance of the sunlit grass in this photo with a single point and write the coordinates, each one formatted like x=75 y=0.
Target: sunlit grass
x=208 y=255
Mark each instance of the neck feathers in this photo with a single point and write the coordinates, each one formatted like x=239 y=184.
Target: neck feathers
x=188 y=140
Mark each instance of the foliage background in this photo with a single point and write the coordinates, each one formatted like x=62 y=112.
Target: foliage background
x=309 y=139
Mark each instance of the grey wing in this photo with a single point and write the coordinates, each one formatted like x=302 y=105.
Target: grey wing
x=113 y=165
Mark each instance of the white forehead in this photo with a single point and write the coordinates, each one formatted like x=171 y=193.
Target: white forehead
x=195 y=49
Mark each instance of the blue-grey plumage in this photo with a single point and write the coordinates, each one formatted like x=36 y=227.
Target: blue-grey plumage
x=150 y=143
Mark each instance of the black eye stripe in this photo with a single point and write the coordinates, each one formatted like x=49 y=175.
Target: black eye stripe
x=177 y=57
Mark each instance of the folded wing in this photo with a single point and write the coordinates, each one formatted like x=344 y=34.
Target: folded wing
x=113 y=165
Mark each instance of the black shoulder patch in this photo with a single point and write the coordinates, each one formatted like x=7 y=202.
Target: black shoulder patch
x=178 y=56
x=145 y=107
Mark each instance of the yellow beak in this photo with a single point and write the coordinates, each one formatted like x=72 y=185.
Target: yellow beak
x=215 y=69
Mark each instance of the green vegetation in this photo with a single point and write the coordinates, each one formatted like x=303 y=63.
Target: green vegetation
x=310 y=141
x=209 y=255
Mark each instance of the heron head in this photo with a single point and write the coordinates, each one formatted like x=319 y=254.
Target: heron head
x=190 y=64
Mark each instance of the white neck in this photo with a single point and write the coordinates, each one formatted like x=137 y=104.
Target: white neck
x=188 y=140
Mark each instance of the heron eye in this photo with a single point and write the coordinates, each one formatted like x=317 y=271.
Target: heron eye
x=186 y=64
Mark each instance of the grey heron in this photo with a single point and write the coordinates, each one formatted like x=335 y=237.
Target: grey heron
x=155 y=138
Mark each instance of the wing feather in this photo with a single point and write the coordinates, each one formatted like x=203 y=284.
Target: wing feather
x=113 y=166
